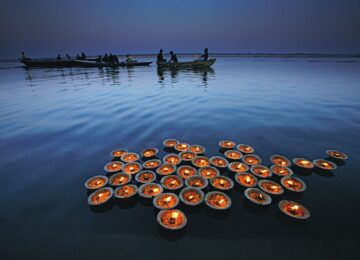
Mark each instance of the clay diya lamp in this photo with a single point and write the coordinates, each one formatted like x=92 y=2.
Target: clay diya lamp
x=257 y=196
x=261 y=171
x=251 y=159
x=293 y=184
x=303 y=163
x=170 y=143
x=244 y=148
x=96 y=182
x=187 y=156
x=130 y=157
x=150 y=190
x=294 y=209
x=238 y=167
x=270 y=187
x=197 y=181
x=233 y=155
x=186 y=171
x=197 y=149
x=337 y=155
x=226 y=144
x=145 y=176
x=172 y=159
x=191 y=196
x=280 y=160
x=100 y=196
x=126 y=191
x=151 y=164
x=246 y=179
x=217 y=200
x=201 y=161
x=219 y=162
x=172 y=182
x=118 y=153
x=324 y=164
x=149 y=152
x=119 y=179
x=172 y=219
x=114 y=166
x=166 y=201
x=166 y=169
x=208 y=172
x=181 y=147
x=222 y=183
x=281 y=170
x=132 y=168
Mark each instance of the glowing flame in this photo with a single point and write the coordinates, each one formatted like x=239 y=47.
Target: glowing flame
x=173 y=182
x=121 y=178
x=290 y=182
x=222 y=182
x=186 y=171
x=247 y=179
x=190 y=197
x=167 y=199
x=174 y=215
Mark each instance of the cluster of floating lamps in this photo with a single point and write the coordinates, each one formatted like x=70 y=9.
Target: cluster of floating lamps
x=187 y=176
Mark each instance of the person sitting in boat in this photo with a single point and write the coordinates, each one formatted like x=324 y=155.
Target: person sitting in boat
x=129 y=59
x=106 y=58
x=23 y=56
x=115 y=59
x=78 y=57
x=58 y=57
x=98 y=59
x=160 y=57
x=205 y=56
x=173 y=57
x=83 y=56
x=68 y=57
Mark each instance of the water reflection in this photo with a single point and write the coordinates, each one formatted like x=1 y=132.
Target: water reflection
x=204 y=73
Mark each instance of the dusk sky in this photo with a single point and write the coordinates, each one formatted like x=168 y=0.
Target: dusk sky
x=46 y=28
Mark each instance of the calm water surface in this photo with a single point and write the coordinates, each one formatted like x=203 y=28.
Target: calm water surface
x=58 y=126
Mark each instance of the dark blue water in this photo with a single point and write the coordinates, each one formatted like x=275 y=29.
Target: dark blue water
x=58 y=126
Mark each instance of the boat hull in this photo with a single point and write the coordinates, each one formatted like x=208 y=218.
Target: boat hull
x=187 y=64
x=92 y=64
x=48 y=63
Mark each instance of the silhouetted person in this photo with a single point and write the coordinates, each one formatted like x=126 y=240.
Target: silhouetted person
x=78 y=57
x=205 y=55
x=83 y=56
x=23 y=56
x=160 y=57
x=98 y=59
x=115 y=59
x=58 y=57
x=106 y=58
x=173 y=57
x=68 y=57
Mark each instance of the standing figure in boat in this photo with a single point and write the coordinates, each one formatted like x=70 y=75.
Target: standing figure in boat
x=83 y=56
x=205 y=56
x=68 y=57
x=23 y=56
x=160 y=57
x=58 y=57
x=173 y=57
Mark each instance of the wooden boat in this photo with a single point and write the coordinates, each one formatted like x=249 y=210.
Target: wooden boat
x=87 y=63
x=187 y=64
x=48 y=63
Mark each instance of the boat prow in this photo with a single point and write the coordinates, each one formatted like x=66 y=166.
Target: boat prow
x=187 y=64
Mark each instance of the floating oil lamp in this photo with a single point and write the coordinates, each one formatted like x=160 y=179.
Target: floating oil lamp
x=257 y=196
x=172 y=182
x=96 y=182
x=233 y=155
x=208 y=172
x=197 y=149
x=246 y=179
x=217 y=200
x=244 y=148
x=100 y=196
x=281 y=170
x=118 y=153
x=114 y=166
x=324 y=164
x=271 y=187
x=119 y=179
x=186 y=171
x=170 y=143
x=172 y=159
x=280 y=160
x=222 y=183
x=172 y=219
x=226 y=144
x=219 y=162
x=181 y=147
x=303 y=163
x=166 y=169
x=132 y=168
x=151 y=164
x=238 y=167
x=187 y=156
x=294 y=209
x=191 y=196
x=293 y=184
x=337 y=155
x=166 y=201
x=150 y=190
x=130 y=157
x=149 y=152
x=125 y=191
x=251 y=159
x=261 y=171
x=197 y=181
x=201 y=161
x=145 y=176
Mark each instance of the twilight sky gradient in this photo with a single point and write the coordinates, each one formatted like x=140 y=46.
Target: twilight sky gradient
x=46 y=27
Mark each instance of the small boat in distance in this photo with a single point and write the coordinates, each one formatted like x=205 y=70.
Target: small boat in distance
x=187 y=64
